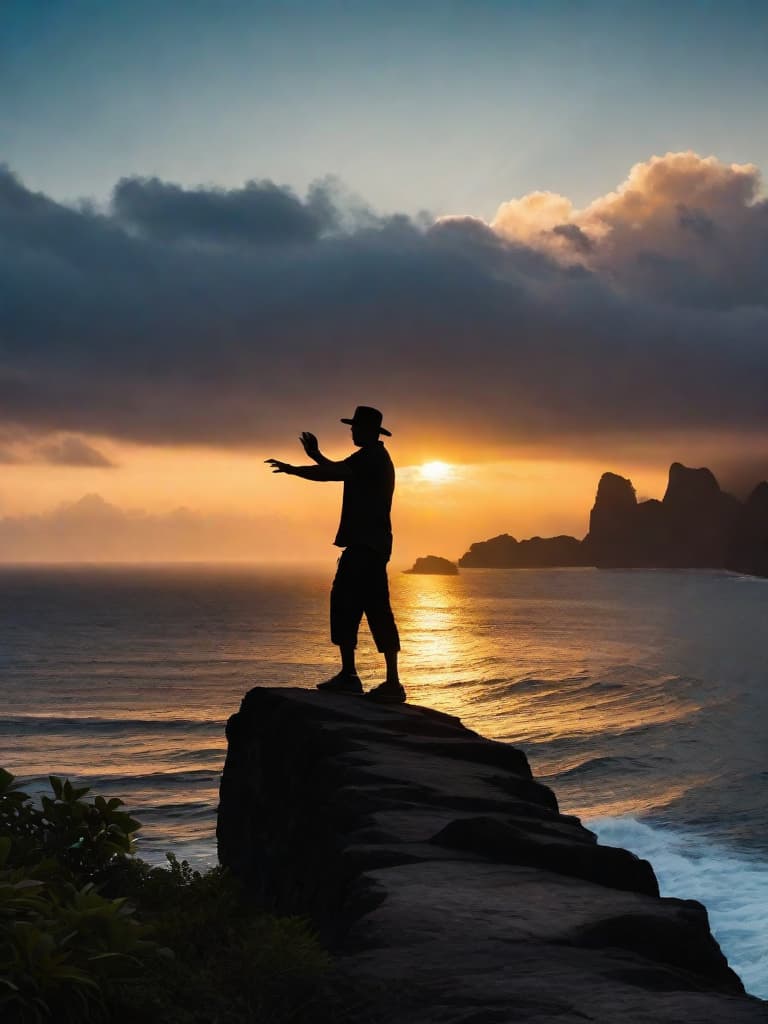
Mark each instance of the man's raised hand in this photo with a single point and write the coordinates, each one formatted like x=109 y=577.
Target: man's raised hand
x=309 y=442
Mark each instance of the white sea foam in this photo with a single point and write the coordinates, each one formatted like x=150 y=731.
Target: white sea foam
x=732 y=884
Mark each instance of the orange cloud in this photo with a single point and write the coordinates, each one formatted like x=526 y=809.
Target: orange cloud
x=680 y=223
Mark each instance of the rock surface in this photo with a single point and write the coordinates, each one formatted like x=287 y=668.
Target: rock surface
x=446 y=878
x=433 y=565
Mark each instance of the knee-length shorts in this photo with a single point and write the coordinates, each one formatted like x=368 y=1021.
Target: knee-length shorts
x=361 y=588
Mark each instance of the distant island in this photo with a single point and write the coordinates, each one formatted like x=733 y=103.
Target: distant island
x=504 y=552
x=433 y=565
x=695 y=526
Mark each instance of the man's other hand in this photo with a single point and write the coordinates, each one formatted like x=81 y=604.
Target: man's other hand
x=309 y=441
x=279 y=467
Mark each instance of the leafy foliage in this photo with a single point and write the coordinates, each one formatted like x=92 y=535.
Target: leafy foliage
x=83 y=837
x=62 y=942
x=89 y=932
x=233 y=963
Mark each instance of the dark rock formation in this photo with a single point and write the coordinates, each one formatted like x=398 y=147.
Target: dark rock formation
x=612 y=523
x=700 y=519
x=446 y=878
x=504 y=552
x=749 y=547
x=433 y=565
x=695 y=526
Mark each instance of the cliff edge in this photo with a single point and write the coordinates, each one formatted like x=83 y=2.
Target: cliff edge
x=445 y=877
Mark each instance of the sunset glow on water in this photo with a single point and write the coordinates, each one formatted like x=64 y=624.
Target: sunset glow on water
x=635 y=695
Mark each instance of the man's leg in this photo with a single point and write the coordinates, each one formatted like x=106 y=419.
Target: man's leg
x=378 y=611
x=393 y=676
x=348 y=665
x=346 y=613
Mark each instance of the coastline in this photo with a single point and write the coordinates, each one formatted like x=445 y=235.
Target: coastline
x=429 y=855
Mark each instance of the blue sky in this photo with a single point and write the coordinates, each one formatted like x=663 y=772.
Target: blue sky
x=449 y=107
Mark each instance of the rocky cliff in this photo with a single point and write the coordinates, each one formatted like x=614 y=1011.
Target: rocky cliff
x=695 y=526
x=446 y=878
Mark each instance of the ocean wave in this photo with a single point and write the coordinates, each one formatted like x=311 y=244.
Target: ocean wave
x=582 y=684
x=197 y=754
x=599 y=764
x=48 y=724
x=128 y=784
x=193 y=844
x=529 y=685
x=731 y=882
x=200 y=810
x=559 y=747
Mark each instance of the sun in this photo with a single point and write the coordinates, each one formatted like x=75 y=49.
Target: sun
x=436 y=472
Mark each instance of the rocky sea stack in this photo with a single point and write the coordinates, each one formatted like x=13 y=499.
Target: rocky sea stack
x=445 y=878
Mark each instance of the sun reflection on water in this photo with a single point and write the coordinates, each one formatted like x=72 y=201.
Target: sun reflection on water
x=542 y=680
x=607 y=681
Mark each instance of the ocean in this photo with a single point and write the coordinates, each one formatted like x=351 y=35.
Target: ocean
x=641 y=697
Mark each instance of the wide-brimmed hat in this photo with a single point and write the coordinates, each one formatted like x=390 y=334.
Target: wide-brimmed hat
x=369 y=418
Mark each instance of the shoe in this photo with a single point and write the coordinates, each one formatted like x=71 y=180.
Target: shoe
x=342 y=683
x=387 y=693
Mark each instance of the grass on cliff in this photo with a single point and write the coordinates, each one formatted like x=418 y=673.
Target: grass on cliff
x=89 y=932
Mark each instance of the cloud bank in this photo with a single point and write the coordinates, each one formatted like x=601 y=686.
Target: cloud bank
x=233 y=317
x=92 y=529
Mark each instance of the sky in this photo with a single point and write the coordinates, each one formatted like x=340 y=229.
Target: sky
x=534 y=235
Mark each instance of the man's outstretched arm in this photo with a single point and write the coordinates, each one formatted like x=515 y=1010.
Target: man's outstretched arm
x=328 y=470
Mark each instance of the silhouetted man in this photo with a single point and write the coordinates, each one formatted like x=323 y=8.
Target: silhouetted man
x=365 y=533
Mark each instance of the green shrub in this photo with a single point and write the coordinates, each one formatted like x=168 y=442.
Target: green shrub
x=89 y=932
x=232 y=962
x=83 y=837
x=62 y=942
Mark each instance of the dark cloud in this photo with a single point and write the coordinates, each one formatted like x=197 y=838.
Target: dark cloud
x=579 y=239
x=73 y=451
x=260 y=212
x=124 y=324
x=696 y=221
